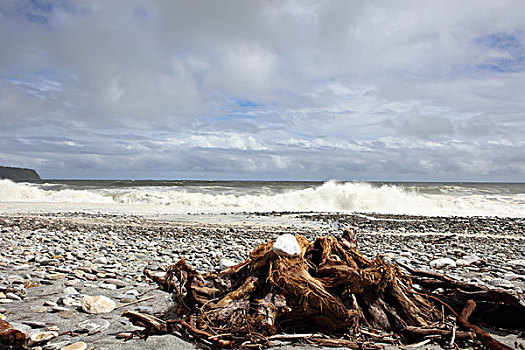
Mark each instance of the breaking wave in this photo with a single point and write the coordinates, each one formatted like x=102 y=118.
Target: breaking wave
x=330 y=196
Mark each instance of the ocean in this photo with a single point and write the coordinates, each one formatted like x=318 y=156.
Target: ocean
x=164 y=198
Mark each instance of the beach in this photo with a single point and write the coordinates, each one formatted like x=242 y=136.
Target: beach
x=49 y=262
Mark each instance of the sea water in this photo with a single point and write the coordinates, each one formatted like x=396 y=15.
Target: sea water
x=151 y=198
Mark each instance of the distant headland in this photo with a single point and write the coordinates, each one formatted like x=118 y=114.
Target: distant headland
x=18 y=174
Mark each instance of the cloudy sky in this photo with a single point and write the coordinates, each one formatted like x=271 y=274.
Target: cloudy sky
x=349 y=90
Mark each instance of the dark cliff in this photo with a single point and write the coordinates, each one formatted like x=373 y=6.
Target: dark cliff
x=18 y=174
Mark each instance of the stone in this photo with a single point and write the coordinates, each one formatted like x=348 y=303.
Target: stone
x=462 y=262
x=109 y=286
x=70 y=291
x=59 y=309
x=34 y=324
x=55 y=276
x=91 y=326
x=55 y=346
x=70 y=302
x=97 y=304
x=13 y=296
x=41 y=337
x=116 y=282
x=21 y=327
x=473 y=259
x=67 y=314
x=75 y=346
x=442 y=263
x=225 y=263
x=517 y=262
x=101 y=260
x=39 y=309
x=286 y=245
x=145 y=309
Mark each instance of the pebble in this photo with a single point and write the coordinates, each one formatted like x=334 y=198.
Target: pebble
x=55 y=276
x=40 y=337
x=101 y=260
x=225 y=263
x=92 y=327
x=70 y=291
x=67 y=314
x=34 y=324
x=116 y=282
x=55 y=346
x=286 y=245
x=97 y=304
x=75 y=346
x=40 y=253
x=442 y=263
x=13 y=296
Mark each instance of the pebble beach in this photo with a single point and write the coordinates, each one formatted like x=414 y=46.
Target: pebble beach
x=79 y=272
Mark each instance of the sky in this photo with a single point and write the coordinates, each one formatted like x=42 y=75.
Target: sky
x=371 y=90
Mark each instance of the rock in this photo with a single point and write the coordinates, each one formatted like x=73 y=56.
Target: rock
x=462 y=262
x=116 y=282
x=55 y=276
x=97 y=304
x=21 y=327
x=34 y=324
x=76 y=346
x=132 y=292
x=225 y=263
x=107 y=285
x=517 y=262
x=145 y=309
x=55 y=346
x=13 y=296
x=101 y=260
x=92 y=327
x=70 y=302
x=67 y=314
x=473 y=259
x=70 y=291
x=442 y=263
x=41 y=337
x=59 y=309
x=39 y=309
x=286 y=245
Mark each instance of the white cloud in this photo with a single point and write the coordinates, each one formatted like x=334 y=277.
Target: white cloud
x=341 y=88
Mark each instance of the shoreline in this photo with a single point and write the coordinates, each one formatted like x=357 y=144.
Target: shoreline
x=104 y=254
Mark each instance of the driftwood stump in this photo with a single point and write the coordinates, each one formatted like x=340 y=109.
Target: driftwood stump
x=329 y=295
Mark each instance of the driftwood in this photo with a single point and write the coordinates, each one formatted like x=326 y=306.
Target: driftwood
x=12 y=338
x=327 y=296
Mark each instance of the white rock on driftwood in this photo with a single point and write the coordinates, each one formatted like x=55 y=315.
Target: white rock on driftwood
x=225 y=263
x=286 y=245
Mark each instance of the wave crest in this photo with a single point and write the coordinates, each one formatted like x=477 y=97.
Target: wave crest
x=331 y=196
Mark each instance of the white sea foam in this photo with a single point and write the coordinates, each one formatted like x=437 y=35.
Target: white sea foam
x=329 y=197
